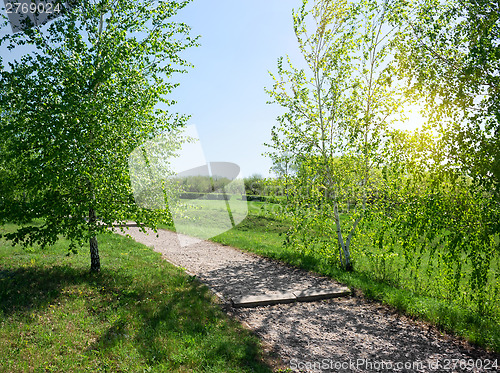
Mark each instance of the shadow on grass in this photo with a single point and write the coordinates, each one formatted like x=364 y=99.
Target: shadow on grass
x=24 y=290
x=254 y=223
x=165 y=316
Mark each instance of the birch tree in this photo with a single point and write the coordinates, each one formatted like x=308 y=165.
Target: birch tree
x=93 y=89
x=338 y=103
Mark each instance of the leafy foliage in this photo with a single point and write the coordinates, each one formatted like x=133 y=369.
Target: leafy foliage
x=421 y=208
x=450 y=56
x=449 y=211
x=76 y=107
x=435 y=224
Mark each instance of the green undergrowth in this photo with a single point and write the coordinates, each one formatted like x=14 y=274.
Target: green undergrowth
x=139 y=314
x=261 y=234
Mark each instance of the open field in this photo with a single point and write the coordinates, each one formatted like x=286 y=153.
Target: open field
x=140 y=314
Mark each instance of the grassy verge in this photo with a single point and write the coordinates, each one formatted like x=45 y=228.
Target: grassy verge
x=140 y=314
x=261 y=234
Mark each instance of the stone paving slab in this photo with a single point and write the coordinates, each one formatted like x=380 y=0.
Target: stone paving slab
x=307 y=295
x=263 y=300
x=311 y=295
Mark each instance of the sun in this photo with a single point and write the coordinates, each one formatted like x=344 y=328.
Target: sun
x=411 y=117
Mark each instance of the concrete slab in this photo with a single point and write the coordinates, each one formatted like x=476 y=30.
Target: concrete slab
x=308 y=295
x=263 y=300
x=311 y=295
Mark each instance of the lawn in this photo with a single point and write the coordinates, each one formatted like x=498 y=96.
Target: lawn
x=140 y=314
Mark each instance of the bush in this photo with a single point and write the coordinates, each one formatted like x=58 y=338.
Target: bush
x=210 y=196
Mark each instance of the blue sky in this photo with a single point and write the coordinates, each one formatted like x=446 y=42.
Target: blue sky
x=241 y=41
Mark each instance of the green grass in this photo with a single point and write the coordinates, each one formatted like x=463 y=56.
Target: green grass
x=262 y=234
x=140 y=314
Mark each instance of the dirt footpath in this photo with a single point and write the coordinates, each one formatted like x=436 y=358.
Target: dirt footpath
x=336 y=335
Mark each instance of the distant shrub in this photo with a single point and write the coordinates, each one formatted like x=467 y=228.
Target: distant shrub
x=210 y=196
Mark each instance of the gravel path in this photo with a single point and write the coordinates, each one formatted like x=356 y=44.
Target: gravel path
x=337 y=335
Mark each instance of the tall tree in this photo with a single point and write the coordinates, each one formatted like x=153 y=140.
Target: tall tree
x=338 y=107
x=75 y=108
